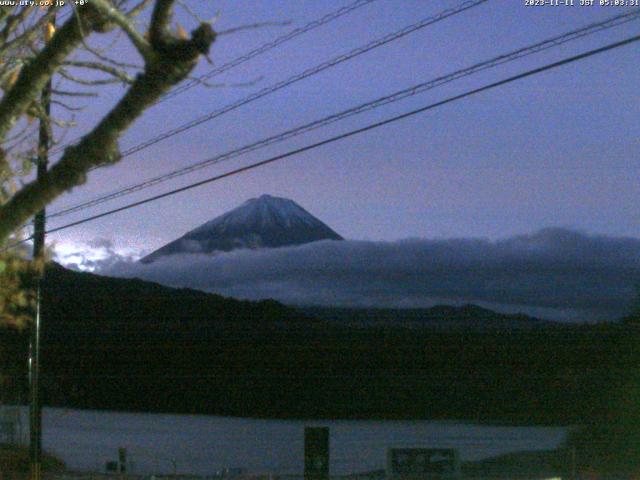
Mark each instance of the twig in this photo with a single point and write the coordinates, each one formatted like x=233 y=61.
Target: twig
x=135 y=11
x=114 y=72
x=93 y=83
x=36 y=73
x=28 y=35
x=68 y=108
x=66 y=93
x=253 y=26
x=100 y=56
x=205 y=84
x=120 y=19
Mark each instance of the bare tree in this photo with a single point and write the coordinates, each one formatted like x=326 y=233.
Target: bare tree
x=31 y=52
x=168 y=58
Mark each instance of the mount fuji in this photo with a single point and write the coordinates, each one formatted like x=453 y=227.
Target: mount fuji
x=264 y=222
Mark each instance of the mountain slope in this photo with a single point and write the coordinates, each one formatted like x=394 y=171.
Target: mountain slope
x=439 y=317
x=264 y=222
x=122 y=344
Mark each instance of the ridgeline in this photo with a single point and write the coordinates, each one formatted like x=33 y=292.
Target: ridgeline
x=131 y=345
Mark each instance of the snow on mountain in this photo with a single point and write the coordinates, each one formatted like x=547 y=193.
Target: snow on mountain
x=264 y=222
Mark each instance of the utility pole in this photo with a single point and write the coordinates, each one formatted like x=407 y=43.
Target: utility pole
x=35 y=407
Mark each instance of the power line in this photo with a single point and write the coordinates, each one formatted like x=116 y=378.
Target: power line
x=308 y=73
x=351 y=133
x=305 y=74
x=300 y=76
x=296 y=32
x=268 y=46
x=295 y=78
x=394 y=97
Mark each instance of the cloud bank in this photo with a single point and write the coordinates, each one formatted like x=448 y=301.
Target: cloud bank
x=554 y=273
x=96 y=255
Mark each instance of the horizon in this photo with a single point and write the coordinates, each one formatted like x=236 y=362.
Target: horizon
x=518 y=274
x=507 y=165
x=541 y=153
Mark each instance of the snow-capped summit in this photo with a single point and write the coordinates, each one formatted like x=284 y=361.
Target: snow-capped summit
x=264 y=222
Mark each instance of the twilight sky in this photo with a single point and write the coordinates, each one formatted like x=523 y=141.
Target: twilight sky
x=556 y=150
x=544 y=170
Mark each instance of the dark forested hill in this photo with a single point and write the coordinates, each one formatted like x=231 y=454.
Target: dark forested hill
x=439 y=317
x=133 y=345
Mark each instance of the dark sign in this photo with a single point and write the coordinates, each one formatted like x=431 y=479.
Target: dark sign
x=423 y=461
x=316 y=453
x=122 y=458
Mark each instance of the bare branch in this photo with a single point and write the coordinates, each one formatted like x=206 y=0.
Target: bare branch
x=190 y=11
x=16 y=136
x=66 y=126
x=204 y=83
x=9 y=76
x=69 y=108
x=253 y=26
x=36 y=73
x=94 y=83
x=13 y=22
x=29 y=34
x=114 y=72
x=160 y=20
x=172 y=62
x=101 y=56
x=66 y=93
x=106 y=8
x=6 y=11
x=135 y=11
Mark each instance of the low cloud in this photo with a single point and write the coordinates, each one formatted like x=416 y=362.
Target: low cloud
x=554 y=273
x=95 y=255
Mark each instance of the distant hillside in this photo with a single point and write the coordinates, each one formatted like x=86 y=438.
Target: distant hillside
x=133 y=345
x=440 y=317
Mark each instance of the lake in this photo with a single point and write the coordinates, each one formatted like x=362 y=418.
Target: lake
x=202 y=444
